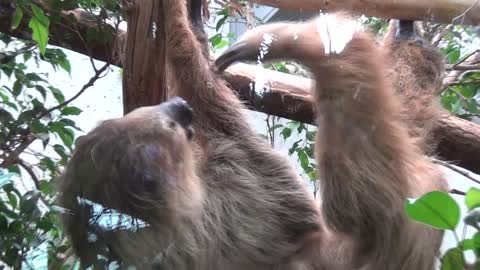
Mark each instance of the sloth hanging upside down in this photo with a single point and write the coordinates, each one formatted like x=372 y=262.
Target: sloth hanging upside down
x=188 y=184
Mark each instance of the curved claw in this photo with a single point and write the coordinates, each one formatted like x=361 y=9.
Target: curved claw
x=195 y=13
x=238 y=52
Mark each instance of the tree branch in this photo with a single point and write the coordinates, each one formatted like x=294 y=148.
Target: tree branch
x=457 y=170
x=90 y=83
x=31 y=172
x=440 y=11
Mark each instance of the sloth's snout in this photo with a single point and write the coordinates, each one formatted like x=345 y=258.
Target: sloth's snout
x=181 y=112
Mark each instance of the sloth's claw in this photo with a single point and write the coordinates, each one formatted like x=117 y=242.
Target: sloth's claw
x=195 y=13
x=238 y=52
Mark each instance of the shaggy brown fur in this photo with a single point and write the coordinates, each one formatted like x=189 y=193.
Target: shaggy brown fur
x=225 y=200
x=368 y=162
x=416 y=70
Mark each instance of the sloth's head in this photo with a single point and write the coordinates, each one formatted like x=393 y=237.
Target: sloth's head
x=137 y=171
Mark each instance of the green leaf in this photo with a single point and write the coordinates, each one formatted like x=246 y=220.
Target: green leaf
x=216 y=39
x=436 y=209
x=42 y=91
x=33 y=77
x=11 y=105
x=469 y=244
x=65 y=64
x=313 y=175
x=67 y=137
x=46 y=187
x=40 y=34
x=71 y=111
x=56 y=126
x=71 y=123
x=220 y=22
x=12 y=200
x=39 y=127
x=286 y=133
x=60 y=150
x=57 y=94
x=17 y=17
x=294 y=125
x=48 y=163
x=17 y=88
x=453 y=260
x=40 y=15
x=303 y=157
x=294 y=147
x=29 y=201
x=37 y=105
x=223 y=43
x=472 y=199
x=27 y=56
x=453 y=56
x=3 y=223
x=468 y=91
x=45 y=224
x=39 y=24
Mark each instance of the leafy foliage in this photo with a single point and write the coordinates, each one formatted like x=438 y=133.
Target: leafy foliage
x=37 y=136
x=441 y=211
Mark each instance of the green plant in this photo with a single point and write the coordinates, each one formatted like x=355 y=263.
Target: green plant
x=441 y=211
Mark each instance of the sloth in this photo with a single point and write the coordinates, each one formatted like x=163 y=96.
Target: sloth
x=416 y=70
x=188 y=184
x=372 y=134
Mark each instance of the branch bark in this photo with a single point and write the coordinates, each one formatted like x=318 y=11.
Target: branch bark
x=440 y=11
x=288 y=96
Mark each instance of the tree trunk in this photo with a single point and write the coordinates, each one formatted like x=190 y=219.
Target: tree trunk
x=440 y=11
x=144 y=77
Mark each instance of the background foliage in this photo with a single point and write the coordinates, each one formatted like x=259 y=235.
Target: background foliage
x=37 y=133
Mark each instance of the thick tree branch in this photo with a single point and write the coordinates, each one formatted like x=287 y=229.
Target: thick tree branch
x=288 y=96
x=440 y=11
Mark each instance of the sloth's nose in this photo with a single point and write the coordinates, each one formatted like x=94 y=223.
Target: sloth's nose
x=180 y=111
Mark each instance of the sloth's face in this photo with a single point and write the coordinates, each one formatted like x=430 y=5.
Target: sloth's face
x=140 y=164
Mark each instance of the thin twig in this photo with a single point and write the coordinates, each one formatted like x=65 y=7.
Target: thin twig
x=90 y=83
x=463 y=67
x=457 y=192
x=460 y=83
x=457 y=170
x=465 y=12
x=464 y=59
x=30 y=171
x=441 y=35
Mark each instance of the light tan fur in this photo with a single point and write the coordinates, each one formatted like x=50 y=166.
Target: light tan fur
x=416 y=70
